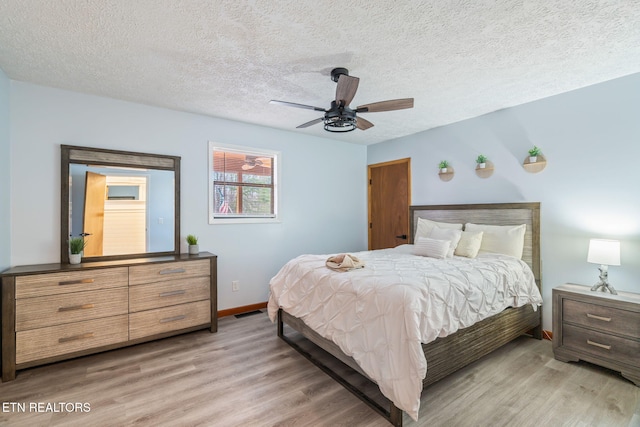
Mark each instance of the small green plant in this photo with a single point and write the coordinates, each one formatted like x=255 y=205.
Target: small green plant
x=444 y=164
x=192 y=240
x=77 y=244
x=481 y=159
x=535 y=151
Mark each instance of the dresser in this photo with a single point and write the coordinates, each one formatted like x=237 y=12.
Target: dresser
x=597 y=327
x=54 y=312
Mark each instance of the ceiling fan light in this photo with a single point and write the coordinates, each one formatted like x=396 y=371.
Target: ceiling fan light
x=339 y=124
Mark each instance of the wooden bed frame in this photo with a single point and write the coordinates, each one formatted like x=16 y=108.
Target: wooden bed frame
x=447 y=355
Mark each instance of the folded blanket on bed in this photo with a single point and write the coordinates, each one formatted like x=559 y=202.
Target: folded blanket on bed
x=344 y=262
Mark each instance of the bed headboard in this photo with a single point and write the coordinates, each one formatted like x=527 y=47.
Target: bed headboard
x=493 y=214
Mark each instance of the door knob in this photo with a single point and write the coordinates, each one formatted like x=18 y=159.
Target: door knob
x=404 y=236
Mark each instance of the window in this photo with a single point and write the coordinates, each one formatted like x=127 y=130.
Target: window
x=243 y=184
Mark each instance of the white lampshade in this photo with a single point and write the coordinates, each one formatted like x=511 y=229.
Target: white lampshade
x=603 y=251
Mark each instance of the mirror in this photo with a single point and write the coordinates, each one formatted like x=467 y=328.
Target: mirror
x=125 y=204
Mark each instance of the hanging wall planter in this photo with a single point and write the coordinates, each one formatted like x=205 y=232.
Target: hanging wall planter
x=481 y=160
x=536 y=162
x=484 y=168
x=446 y=171
x=443 y=165
x=535 y=167
x=533 y=154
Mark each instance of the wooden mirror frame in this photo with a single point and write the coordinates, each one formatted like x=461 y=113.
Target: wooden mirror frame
x=97 y=156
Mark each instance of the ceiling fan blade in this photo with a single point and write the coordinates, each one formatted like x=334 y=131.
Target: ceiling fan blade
x=311 y=123
x=363 y=124
x=293 y=104
x=346 y=90
x=393 y=104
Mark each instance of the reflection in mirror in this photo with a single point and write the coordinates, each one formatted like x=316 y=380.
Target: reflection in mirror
x=121 y=210
x=126 y=204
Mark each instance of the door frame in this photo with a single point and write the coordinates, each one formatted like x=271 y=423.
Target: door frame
x=406 y=160
x=95 y=188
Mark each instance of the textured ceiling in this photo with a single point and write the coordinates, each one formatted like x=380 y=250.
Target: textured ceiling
x=228 y=58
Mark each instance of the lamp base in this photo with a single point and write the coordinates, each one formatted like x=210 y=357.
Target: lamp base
x=603 y=285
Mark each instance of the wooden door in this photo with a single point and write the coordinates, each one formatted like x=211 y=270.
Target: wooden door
x=125 y=218
x=95 y=191
x=389 y=200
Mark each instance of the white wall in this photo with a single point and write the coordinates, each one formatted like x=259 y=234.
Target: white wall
x=591 y=139
x=315 y=217
x=5 y=174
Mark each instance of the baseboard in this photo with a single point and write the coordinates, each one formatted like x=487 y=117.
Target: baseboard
x=547 y=335
x=243 y=309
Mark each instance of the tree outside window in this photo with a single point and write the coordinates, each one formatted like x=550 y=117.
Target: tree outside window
x=243 y=185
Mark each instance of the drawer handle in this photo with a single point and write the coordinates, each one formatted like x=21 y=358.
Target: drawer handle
x=606 y=347
x=172 y=319
x=593 y=316
x=172 y=293
x=76 y=337
x=75 y=307
x=75 y=282
x=172 y=270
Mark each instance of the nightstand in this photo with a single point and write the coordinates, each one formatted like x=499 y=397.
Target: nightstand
x=598 y=328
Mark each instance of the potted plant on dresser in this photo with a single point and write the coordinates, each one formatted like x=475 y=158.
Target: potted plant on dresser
x=192 y=241
x=76 y=246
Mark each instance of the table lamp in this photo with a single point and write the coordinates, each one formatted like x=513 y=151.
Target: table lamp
x=604 y=252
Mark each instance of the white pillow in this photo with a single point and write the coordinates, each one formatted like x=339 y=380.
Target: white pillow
x=469 y=244
x=433 y=248
x=453 y=236
x=424 y=227
x=502 y=239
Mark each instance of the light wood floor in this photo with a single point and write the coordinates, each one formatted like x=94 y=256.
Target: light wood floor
x=245 y=376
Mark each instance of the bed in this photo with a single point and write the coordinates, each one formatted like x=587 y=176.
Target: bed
x=453 y=346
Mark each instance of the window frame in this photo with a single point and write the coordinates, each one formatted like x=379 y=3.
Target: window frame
x=259 y=152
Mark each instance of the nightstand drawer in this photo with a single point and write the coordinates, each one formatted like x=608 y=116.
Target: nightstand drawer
x=62 y=339
x=169 y=271
x=602 y=318
x=163 y=294
x=602 y=345
x=151 y=322
x=32 y=313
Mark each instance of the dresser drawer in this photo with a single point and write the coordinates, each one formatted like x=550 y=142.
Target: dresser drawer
x=167 y=271
x=56 y=340
x=53 y=310
x=70 y=281
x=602 y=318
x=151 y=322
x=602 y=345
x=163 y=294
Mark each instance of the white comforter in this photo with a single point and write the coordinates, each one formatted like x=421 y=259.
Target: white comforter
x=380 y=315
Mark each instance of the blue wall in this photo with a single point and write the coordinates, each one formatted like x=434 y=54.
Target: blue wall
x=591 y=138
x=589 y=189
x=314 y=217
x=5 y=174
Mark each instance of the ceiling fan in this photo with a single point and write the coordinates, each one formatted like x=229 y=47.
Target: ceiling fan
x=340 y=117
x=253 y=161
